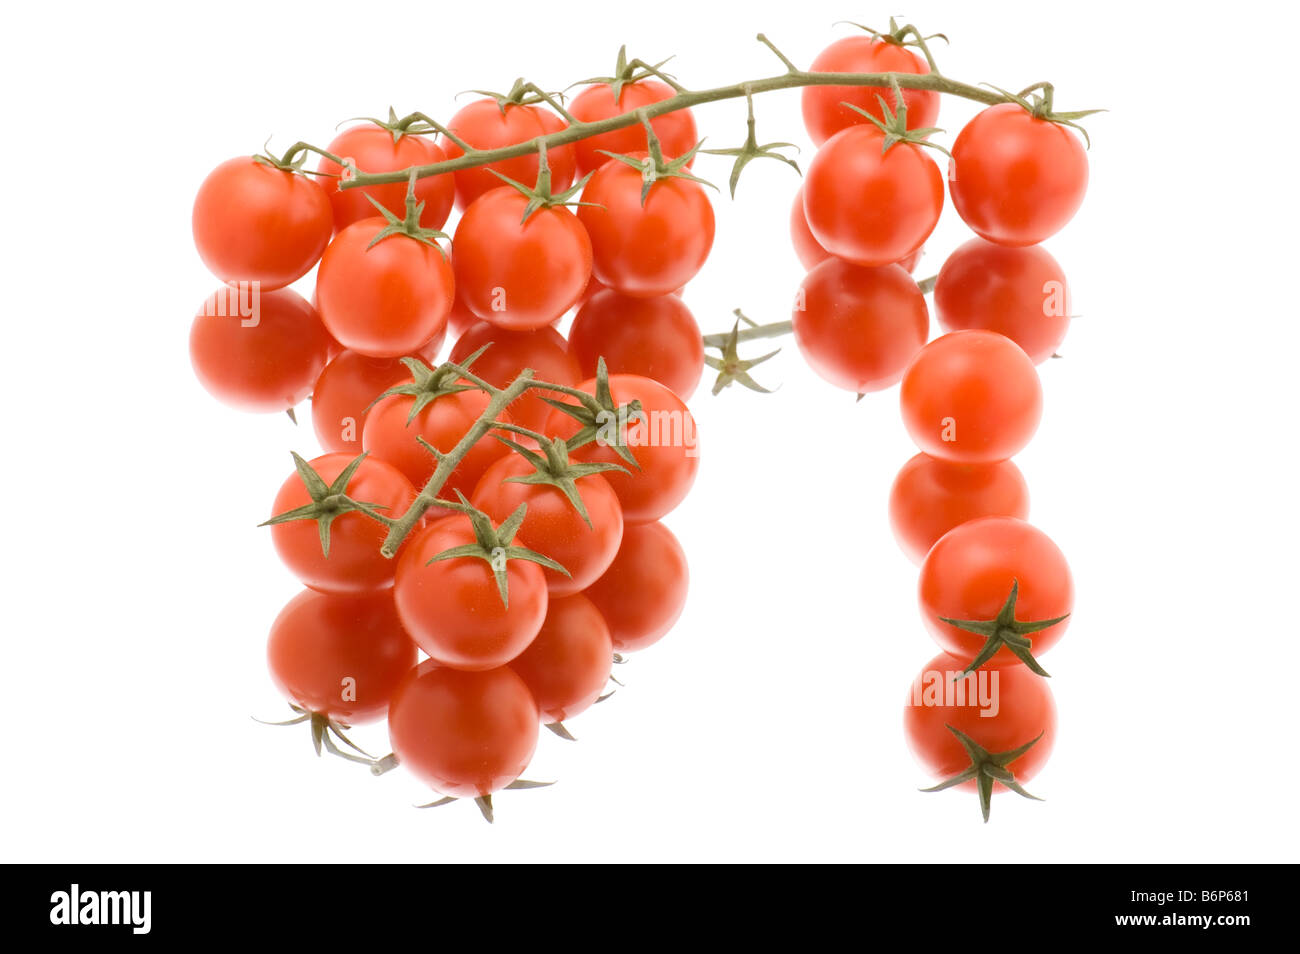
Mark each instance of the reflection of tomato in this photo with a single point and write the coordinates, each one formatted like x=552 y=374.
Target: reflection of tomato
x=654 y=337
x=372 y=148
x=567 y=666
x=643 y=592
x=485 y=125
x=675 y=130
x=823 y=111
x=510 y=352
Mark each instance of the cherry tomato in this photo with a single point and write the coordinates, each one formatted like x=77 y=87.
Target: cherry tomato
x=552 y=526
x=258 y=350
x=646 y=249
x=465 y=734
x=810 y=252
x=643 y=592
x=567 y=666
x=340 y=656
x=969 y=573
x=930 y=497
x=344 y=392
x=1017 y=292
x=520 y=275
x=664 y=443
x=509 y=353
x=824 y=112
x=675 y=130
x=868 y=206
x=860 y=327
x=654 y=337
x=1015 y=179
x=453 y=609
x=972 y=397
x=485 y=125
x=354 y=564
x=386 y=300
x=256 y=223
x=372 y=148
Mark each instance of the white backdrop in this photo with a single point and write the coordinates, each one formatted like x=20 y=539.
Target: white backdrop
x=767 y=726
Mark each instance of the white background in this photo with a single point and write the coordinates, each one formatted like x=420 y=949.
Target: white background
x=138 y=591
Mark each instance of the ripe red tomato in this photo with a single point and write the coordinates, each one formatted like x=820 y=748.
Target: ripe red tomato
x=652 y=248
x=465 y=734
x=969 y=573
x=665 y=444
x=643 y=592
x=1000 y=710
x=354 y=564
x=344 y=392
x=567 y=666
x=340 y=656
x=386 y=300
x=930 y=497
x=654 y=337
x=807 y=248
x=258 y=351
x=453 y=609
x=372 y=148
x=517 y=274
x=1017 y=292
x=860 y=327
x=510 y=352
x=675 y=130
x=972 y=397
x=256 y=223
x=1015 y=179
x=867 y=206
x=552 y=526
x=485 y=125
x=824 y=112
x=442 y=422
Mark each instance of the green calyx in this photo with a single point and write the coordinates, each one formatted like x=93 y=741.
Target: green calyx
x=324 y=731
x=906 y=35
x=986 y=768
x=484 y=802
x=1037 y=101
x=540 y=195
x=1005 y=630
x=751 y=150
x=428 y=384
x=654 y=167
x=731 y=368
x=602 y=420
x=522 y=93
x=494 y=545
x=409 y=225
x=894 y=125
x=415 y=124
x=552 y=468
x=328 y=501
x=630 y=71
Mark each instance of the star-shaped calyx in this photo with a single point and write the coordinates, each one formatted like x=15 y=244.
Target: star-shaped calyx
x=552 y=468
x=654 y=167
x=751 y=150
x=328 y=501
x=428 y=384
x=1005 y=630
x=986 y=768
x=601 y=417
x=731 y=368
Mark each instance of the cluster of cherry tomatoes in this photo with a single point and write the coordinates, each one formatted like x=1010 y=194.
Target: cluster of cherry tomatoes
x=995 y=592
x=543 y=559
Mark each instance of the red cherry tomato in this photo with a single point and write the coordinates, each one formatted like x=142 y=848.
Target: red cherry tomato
x=868 y=206
x=675 y=130
x=567 y=666
x=509 y=353
x=258 y=350
x=972 y=397
x=340 y=656
x=520 y=275
x=1017 y=292
x=344 y=392
x=354 y=564
x=654 y=337
x=465 y=734
x=860 y=327
x=929 y=497
x=453 y=609
x=824 y=112
x=643 y=592
x=372 y=148
x=256 y=223
x=810 y=252
x=1016 y=180
x=384 y=300
x=486 y=125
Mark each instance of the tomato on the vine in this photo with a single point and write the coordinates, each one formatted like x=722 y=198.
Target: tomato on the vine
x=643 y=592
x=486 y=124
x=510 y=352
x=824 y=112
x=654 y=337
x=345 y=391
x=675 y=130
x=372 y=149
x=567 y=666
x=810 y=252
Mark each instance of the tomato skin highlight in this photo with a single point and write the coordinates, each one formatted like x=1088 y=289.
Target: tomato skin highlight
x=263 y=362
x=823 y=111
x=253 y=222
x=675 y=130
x=568 y=665
x=1023 y=708
x=929 y=497
x=372 y=148
x=463 y=734
x=1017 y=292
x=1015 y=179
x=340 y=656
x=655 y=338
x=971 y=397
x=387 y=300
x=453 y=609
x=968 y=574
x=510 y=352
x=870 y=208
x=341 y=399
x=859 y=328
x=643 y=592
x=485 y=125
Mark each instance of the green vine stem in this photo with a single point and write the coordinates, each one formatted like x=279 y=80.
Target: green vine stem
x=775 y=330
